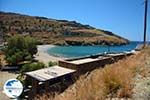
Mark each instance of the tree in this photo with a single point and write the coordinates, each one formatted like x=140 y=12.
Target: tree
x=30 y=45
x=20 y=48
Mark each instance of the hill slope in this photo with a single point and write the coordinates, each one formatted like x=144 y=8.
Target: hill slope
x=52 y=31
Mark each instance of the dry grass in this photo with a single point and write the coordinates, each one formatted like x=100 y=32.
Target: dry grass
x=48 y=96
x=113 y=81
x=2 y=60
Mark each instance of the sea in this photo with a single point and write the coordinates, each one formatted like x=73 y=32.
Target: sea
x=81 y=51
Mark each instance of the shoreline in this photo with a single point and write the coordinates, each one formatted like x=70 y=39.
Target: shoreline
x=43 y=56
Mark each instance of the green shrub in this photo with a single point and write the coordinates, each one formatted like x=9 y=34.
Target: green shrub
x=20 y=48
x=52 y=63
x=32 y=66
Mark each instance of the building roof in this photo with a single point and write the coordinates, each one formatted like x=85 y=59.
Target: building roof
x=87 y=60
x=82 y=61
x=49 y=73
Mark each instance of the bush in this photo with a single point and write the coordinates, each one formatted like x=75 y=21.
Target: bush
x=52 y=63
x=111 y=82
x=116 y=81
x=32 y=66
x=19 y=49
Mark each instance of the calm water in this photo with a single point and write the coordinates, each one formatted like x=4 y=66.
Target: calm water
x=79 y=51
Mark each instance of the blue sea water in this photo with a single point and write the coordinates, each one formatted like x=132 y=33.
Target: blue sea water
x=80 y=51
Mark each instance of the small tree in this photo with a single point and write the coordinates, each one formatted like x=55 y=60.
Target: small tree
x=30 y=45
x=19 y=49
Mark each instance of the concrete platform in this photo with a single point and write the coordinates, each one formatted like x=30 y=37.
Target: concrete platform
x=49 y=73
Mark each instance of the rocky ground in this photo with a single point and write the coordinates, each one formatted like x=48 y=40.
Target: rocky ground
x=142 y=82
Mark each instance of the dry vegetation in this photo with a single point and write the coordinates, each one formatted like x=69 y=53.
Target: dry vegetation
x=2 y=60
x=117 y=80
x=52 y=31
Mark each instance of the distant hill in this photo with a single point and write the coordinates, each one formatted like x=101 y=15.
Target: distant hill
x=59 y=32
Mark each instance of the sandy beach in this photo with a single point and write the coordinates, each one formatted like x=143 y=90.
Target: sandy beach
x=44 y=57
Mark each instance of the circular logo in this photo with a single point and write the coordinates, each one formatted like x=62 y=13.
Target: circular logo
x=13 y=88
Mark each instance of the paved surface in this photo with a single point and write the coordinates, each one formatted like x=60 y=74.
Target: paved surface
x=4 y=76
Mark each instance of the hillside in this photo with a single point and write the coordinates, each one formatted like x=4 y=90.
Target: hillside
x=52 y=31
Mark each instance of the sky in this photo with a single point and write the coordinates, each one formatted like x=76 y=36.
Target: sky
x=123 y=17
